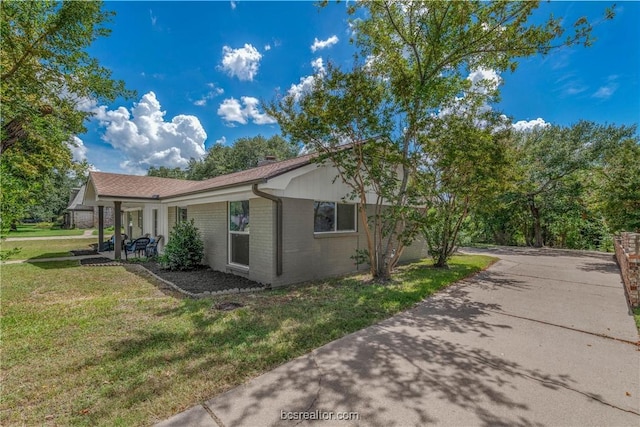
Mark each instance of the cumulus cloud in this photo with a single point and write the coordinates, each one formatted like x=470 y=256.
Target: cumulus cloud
x=306 y=83
x=146 y=139
x=484 y=80
x=323 y=44
x=232 y=111
x=78 y=149
x=242 y=63
x=267 y=47
x=529 y=125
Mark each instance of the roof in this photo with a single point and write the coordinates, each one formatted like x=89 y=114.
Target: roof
x=135 y=186
x=76 y=202
x=146 y=187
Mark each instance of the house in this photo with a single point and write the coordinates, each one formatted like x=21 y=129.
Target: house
x=279 y=223
x=77 y=215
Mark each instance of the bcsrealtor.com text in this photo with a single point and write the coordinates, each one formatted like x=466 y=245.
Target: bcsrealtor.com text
x=319 y=416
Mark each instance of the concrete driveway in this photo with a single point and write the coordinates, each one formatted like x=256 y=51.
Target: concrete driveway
x=541 y=338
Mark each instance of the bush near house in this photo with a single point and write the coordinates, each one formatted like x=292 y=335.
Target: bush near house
x=185 y=248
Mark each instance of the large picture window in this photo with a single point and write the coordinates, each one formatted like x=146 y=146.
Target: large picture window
x=239 y=233
x=332 y=217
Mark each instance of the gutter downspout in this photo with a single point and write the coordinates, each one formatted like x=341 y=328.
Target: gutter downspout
x=278 y=202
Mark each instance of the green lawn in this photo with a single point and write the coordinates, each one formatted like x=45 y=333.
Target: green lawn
x=30 y=230
x=103 y=346
x=636 y=316
x=45 y=248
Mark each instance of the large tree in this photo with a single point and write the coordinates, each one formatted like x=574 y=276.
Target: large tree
x=245 y=153
x=417 y=56
x=47 y=79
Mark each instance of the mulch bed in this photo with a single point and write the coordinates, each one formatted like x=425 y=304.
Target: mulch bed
x=79 y=252
x=201 y=280
x=99 y=261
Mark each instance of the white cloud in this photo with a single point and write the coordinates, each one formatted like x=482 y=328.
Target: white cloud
x=606 y=91
x=78 y=149
x=529 y=125
x=323 y=44
x=242 y=63
x=267 y=47
x=222 y=141
x=484 y=80
x=146 y=139
x=214 y=92
x=154 y=19
x=306 y=83
x=233 y=5
x=231 y=111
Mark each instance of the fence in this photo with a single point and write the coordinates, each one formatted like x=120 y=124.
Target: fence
x=628 y=256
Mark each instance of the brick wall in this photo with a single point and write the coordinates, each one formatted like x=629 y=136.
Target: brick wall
x=262 y=240
x=211 y=220
x=629 y=262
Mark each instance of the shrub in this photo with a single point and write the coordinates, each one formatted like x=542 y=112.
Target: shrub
x=185 y=249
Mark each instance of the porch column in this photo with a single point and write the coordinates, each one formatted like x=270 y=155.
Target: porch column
x=100 y=227
x=117 y=243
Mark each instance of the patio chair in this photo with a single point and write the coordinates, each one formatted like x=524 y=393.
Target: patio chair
x=152 y=248
x=137 y=246
x=109 y=244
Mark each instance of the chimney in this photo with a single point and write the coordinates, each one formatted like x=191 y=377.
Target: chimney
x=267 y=160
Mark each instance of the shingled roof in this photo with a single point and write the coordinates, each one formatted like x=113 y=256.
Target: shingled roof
x=151 y=187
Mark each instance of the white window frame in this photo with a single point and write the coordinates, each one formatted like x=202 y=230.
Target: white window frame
x=230 y=232
x=335 y=221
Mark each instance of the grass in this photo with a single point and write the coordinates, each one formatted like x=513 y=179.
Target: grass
x=104 y=346
x=30 y=230
x=108 y=231
x=45 y=248
x=636 y=316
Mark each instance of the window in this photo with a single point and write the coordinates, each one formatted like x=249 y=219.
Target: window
x=331 y=217
x=139 y=213
x=239 y=233
x=181 y=214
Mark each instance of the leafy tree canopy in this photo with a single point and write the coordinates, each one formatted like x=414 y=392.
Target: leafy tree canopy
x=47 y=79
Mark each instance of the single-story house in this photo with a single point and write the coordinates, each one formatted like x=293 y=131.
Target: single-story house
x=279 y=223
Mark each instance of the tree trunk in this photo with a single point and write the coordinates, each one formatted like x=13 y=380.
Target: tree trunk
x=538 y=241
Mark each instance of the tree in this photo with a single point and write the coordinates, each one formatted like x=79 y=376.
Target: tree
x=244 y=154
x=165 y=172
x=550 y=158
x=416 y=59
x=619 y=187
x=45 y=79
x=467 y=164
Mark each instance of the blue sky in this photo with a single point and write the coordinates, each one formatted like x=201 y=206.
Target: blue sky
x=207 y=66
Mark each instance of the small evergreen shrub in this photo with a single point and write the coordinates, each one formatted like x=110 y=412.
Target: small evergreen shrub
x=185 y=249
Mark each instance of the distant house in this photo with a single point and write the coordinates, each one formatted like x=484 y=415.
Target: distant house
x=278 y=223
x=78 y=215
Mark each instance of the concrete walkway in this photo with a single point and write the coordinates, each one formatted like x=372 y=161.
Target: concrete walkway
x=541 y=338
x=86 y=234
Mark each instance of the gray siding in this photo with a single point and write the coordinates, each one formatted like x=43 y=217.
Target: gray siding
x=171 y=217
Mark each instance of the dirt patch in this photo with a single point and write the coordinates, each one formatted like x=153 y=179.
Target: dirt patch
x=201 y=280
x=228 y=306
